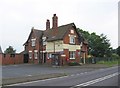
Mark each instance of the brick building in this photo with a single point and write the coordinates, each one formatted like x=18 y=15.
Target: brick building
x=57 y=45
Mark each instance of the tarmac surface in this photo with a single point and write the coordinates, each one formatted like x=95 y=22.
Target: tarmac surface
x=12 y=74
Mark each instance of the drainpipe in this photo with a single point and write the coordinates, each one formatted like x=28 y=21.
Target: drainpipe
x=84 y=57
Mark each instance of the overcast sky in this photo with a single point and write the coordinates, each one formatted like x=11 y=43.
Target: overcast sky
x=17 y=17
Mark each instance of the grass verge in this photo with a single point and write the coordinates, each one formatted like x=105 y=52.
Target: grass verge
x=110 y=63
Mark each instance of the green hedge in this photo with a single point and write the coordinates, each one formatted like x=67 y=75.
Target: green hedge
x=73 y=64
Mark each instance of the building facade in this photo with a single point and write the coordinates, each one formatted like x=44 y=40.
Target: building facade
x=58 y=45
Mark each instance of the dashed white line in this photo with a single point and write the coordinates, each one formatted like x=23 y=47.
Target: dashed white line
x=29 y=75
x=97 y=80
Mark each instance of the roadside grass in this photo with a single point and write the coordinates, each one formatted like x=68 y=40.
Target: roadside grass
x=110 y=63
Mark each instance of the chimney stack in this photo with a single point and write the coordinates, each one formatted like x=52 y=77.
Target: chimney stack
x=47 y=24
x=55 y=22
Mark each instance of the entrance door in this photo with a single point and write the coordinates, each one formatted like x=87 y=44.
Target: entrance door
x=44 y=58
x=56 y=60
x=26 y=58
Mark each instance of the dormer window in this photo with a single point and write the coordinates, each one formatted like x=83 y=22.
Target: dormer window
x=72 y=40
x=33 y=42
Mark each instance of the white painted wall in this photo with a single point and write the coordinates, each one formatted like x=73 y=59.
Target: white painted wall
x=59 y=46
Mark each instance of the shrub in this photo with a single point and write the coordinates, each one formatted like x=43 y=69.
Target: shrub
x=73 y=64
x=115 y=57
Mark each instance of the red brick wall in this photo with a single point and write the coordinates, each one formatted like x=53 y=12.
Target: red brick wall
x=84 y=48
x=31 y=48
x=66 y=39
x=0 y=58
x=7 y=59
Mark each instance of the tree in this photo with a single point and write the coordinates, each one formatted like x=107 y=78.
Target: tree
x=118 y=50
x=99 y=45
x=10 y=50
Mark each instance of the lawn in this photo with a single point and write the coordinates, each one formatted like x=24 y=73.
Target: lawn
x=110 y=63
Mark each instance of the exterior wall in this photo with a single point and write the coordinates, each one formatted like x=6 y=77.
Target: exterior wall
x=37 y=47
x=56 y=46
x=7 y=59
x=64 y=47
x=84 y=54
x=66 y=39
x=0 y=58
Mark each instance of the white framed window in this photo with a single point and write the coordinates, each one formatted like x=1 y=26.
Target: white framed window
x=49 y=55
x=33 y=42
x=72 y=31
x=72 y=54
x=30 y=54
x=35 y=54
x=72 y=40
x=44 y=40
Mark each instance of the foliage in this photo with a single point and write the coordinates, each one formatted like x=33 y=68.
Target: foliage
x=108 y=63
x=99 y=45
x=118 y=50
x=115 y=56
x=73 y=64
x=10 y=50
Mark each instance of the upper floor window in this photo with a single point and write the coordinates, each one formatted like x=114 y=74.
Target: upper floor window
x=33 y=42
x=72 y=40
x=72 y=31
x=44 y=40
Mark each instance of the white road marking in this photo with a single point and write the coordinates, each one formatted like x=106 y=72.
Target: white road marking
x=77 y=74
x=29 y=75
x=17 y=84
x=97 y=80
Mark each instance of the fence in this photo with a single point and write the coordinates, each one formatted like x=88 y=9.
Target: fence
x=6 y=59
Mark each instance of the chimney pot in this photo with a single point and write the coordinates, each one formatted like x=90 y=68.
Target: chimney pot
x=47 y=24
x=54 y=15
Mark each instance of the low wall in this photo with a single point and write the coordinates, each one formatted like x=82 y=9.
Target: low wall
x=8 y=59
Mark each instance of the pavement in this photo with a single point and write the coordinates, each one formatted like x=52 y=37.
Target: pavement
x=13 y=74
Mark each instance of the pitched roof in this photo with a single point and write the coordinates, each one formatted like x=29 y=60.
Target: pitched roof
x=60 y=32
x=37 y=33
x=0 y=50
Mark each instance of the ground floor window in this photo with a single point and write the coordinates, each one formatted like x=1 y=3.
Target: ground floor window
x=49 y=55
x=30 y=54
x=72 y=54
x=35 y=54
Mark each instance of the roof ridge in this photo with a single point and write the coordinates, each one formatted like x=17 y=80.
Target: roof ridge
x=66 y=24
x=38 y=30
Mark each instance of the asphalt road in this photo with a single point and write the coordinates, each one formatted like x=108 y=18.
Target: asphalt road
x=12 y=71
x=100 y=77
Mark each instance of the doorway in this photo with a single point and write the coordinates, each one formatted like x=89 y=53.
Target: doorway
x=26 y=58
x=55 y=59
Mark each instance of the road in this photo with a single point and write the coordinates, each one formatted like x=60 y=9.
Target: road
x=11 y=71
x=100 y=77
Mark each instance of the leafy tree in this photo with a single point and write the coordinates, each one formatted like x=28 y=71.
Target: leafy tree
x=118 y=50
x=99 y=45
x=10 y=50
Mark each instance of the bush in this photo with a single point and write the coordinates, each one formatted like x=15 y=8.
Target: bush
x=115 y=57
x=73 y=64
